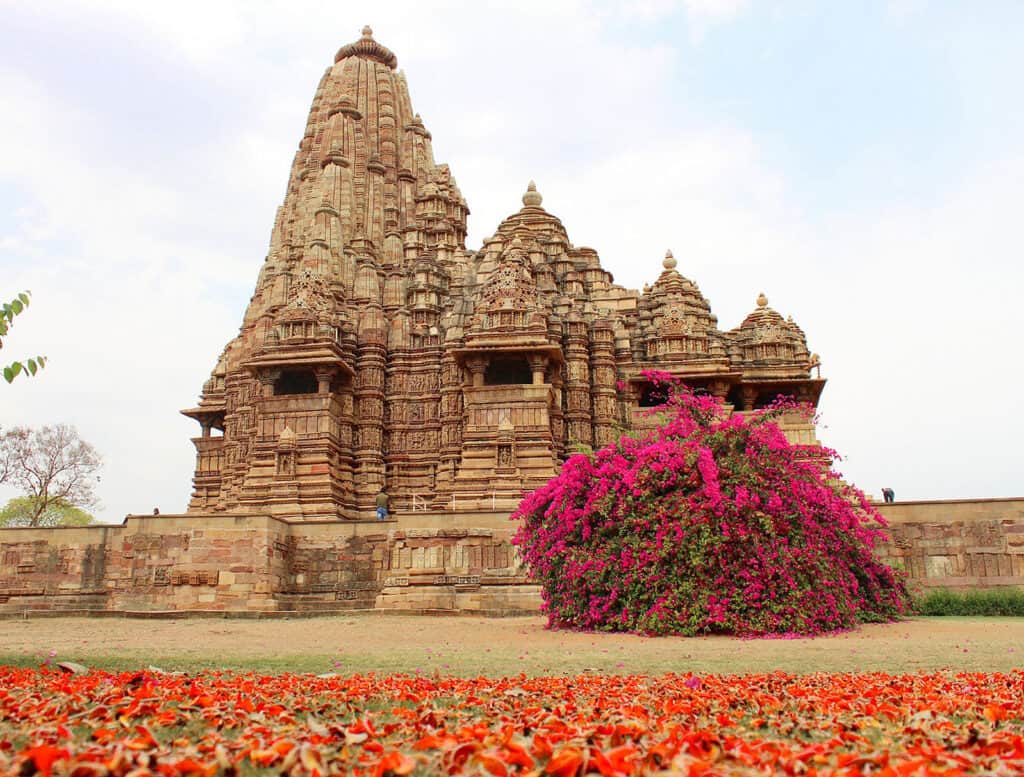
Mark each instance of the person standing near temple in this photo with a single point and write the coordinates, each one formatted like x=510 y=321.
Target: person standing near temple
x=888 y=495
x=382 y=505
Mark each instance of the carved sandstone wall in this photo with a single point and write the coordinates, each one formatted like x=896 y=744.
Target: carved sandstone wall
x=424 y=561
x=966 y=543
x=259 y=564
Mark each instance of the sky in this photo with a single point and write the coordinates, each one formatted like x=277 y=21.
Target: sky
x=862 y=164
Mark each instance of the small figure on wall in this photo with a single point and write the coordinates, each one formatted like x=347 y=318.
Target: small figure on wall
x=888 y=495
x=382 y=506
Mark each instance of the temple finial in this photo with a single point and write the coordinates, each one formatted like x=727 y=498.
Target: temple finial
x=367 y=48
x=669 y=262
x=762 y=300
x=532 y=198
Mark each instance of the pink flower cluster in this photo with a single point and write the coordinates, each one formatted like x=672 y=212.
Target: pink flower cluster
x=707 y=524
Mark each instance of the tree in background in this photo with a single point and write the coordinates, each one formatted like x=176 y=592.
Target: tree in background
x=7 y=313
x=53 y=467
x=21 y=511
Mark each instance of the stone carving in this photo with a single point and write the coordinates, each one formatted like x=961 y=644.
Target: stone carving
x=390 y=353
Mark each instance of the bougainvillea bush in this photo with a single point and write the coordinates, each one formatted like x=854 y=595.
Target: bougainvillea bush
x=707 y=524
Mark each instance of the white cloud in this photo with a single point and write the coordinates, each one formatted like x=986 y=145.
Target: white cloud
x=715 y=10
x=141 y=269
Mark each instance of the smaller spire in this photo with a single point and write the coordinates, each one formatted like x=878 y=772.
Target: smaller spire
x=367 y=31
x=762 y=300
x=669 y=262
x=287 y=438
x=532 y=198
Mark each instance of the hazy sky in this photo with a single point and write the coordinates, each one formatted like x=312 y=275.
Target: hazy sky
x=861 y=163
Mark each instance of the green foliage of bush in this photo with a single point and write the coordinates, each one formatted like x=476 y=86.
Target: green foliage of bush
x=22 y=511
x=988 y=601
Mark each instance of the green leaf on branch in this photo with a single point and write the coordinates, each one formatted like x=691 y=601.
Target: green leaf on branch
x=7 y=313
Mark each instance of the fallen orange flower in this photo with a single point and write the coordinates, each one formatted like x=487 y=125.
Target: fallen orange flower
x=114 y=725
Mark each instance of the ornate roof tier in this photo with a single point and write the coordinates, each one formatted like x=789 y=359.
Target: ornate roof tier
x=368 y=48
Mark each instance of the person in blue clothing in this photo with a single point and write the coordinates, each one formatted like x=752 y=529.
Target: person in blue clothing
x=382 y=506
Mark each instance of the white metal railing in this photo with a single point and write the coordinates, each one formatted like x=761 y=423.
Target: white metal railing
x=419 y=503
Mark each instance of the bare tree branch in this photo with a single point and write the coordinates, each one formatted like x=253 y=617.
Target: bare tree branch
x=52 y=465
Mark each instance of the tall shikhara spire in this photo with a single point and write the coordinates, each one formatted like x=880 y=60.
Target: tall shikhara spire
x=377 y=352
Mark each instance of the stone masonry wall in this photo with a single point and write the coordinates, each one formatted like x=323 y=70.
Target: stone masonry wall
x=423 y=562
x=260 y=564
x=957 y=544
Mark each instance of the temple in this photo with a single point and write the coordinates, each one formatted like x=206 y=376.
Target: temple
x=378 y=352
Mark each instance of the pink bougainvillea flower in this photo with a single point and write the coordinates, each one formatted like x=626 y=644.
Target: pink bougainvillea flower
x=709 y=523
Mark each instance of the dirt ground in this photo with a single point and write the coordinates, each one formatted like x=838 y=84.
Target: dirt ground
x=497 y=646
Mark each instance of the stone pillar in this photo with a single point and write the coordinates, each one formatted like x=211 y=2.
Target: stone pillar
x=451 y=421
x=324 y=376
x=369 y=395
x=557 y=417
x=748 y=395
x=477 y=366
x=719 y=389
x=267 y=380
x=538 y=366
x=602 y=360
x=577 y=359
x=623 y=365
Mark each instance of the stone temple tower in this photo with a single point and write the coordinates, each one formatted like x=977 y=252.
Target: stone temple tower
x=378 y=352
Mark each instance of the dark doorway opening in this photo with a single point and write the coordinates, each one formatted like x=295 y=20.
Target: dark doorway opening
x=508 y=371
x=295 y=382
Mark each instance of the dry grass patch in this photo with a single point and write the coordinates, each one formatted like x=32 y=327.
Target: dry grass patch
x=471 y=646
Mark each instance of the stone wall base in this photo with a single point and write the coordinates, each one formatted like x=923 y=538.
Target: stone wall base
x=221 y=565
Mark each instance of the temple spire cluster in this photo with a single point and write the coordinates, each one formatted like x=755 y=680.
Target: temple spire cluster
x=378 y=352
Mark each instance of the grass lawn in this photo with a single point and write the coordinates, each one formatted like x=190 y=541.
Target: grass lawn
x=470 y=646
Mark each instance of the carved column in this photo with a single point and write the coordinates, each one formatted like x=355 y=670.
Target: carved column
x=451 y=421
x=748 y=395
x=557 y=417
x=369 y=396
x=623 y=366
x=477 y=366
x=602 y=360
x=538 y=365
x=577 y=358
x=324 y=377
x=267 y=379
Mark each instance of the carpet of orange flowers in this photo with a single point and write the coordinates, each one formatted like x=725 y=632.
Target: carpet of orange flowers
x=144 y=723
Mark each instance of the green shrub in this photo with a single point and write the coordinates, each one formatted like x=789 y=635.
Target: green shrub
x=988 y=601
x=712 y=523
